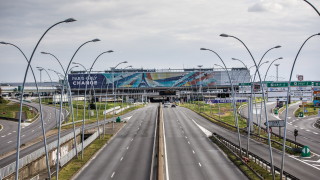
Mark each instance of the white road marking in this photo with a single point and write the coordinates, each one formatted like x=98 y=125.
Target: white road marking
x=14 y=131
x=193 y=152
x=132 y=139
x=32 y=130
x=112 y=174
x=3 y=136
x=9 y=141
x=200 y=164
x=23 y=135
x=307 y=130
x=8 y=134
x=301 y=128
x=315 y=133
x=186 y=137
x=296 y=126
x=128 y=147
x=121 y=158
x=188 y=142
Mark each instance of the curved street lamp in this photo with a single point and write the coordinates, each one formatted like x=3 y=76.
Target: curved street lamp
x=312 y=6
x=233 y=98
x=262 y=88
x=40 y=107
x=60 y=118
x=288 y=92
x=22 y=92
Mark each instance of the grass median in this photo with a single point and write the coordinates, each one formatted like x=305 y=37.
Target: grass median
x=68 y=171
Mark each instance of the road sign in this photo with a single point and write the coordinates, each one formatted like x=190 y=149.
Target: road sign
x=316 y=83
x=274 y=99
x=302 y=83
x=305 y=152
x=277 y=94
x=301 y=99
x=277 y=88
x=301 y=88
x=244 y=84
x=282 y=84
x=301 y=93
x=300 y=77
x=275 y=123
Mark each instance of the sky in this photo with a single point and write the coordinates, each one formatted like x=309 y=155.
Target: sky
x=159 y=34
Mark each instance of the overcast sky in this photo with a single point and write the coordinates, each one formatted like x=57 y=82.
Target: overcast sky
x=159 y=34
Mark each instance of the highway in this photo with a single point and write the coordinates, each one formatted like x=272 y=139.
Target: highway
x=191 y=155
x=299 y=167
x=129 y=154
x=8 y=136
x=308 y=134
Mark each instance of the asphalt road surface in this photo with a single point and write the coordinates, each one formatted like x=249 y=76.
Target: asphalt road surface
x=190 y=154
x=129 y=153
x=303 y=168
x=8 y=136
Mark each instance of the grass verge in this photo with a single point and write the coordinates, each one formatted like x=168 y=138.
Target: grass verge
x=241 y=165
x=68 y=171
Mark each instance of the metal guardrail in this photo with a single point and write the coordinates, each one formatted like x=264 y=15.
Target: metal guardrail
x=258 y=160
x=9 y=169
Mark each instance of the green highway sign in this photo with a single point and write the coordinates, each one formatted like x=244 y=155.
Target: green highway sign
x=301 y=83
x=305 y=152
x=244 y=84
x=280 y=84
x=316 y=83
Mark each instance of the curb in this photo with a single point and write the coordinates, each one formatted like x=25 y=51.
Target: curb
x=95 y=155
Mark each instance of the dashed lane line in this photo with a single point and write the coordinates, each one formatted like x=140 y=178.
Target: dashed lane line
x=112 y=174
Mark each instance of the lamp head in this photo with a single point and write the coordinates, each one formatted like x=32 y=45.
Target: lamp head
x=95 y=40
x=224 y=35
x=266 y=62
x=125 y=62
x=318 y=34
x=44 y=53
x=203 y=49
x=3 y=42
x=235 y=59
x=110 y=51
x=40 y=68
x=69 y=20
x=277 y=46
x=280 y=58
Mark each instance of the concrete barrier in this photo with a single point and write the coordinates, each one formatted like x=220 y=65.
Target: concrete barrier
x=161 y=146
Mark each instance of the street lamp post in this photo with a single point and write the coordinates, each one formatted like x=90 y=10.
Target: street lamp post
x=277 y=72
x=312 y=7
x=70 y=99
x=60 y=118
x=262 y=88
x=233 y=98
x=40 y=107
x=288 y=93
x=22 y=92
x=200 y=90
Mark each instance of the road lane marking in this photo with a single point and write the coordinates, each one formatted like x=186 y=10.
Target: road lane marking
x=23 y=135
x=121 y=158
x=128 y=147
x=32 y=130
x=9 y=142
x=296 y=126
x=186 y=137
x=112 y=174
x=188 y=142
x=301 y=128
x=14 y=131
x=8 y=134
x=193 y=152
x=132 y=139
x=315 y=133
x=200 y=164
x=3 y=136
x=307 y=130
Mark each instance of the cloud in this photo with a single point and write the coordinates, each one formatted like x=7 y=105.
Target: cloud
x=272 y=5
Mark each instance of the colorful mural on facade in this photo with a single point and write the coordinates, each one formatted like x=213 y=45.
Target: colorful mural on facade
x=145 y=79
